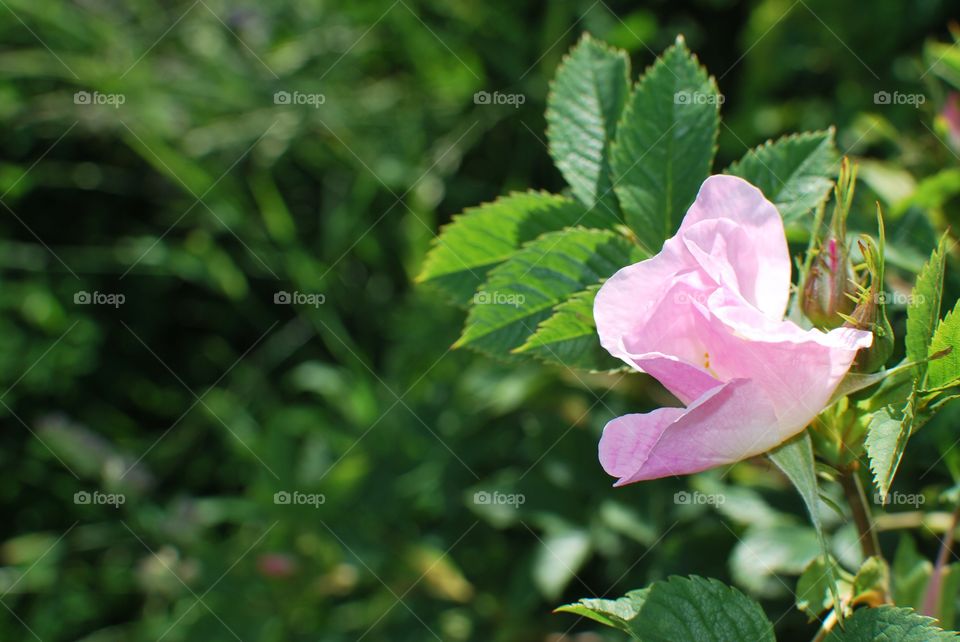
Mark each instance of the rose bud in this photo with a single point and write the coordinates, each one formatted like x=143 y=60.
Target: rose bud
x=830 y=287
x=871 y=314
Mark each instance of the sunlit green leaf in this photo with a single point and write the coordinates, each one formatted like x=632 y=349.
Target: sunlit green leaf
x=523 y=291
x=923 y=311
x=665 y=144
x=586 y=99
x=559 y=556
x=887 y=435
x=815 y=586
x=764 y=553
x=483 y=237
x=945 y=369
x=569 y=337
x=889 y=623
x=682 y=608
x=793 y=172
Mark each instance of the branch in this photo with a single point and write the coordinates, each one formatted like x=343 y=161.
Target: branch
x=853 y=490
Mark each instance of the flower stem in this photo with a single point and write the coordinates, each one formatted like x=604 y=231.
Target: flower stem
x=931 y=601
x=853 y=490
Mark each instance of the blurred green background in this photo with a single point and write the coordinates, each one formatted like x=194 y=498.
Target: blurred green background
x=146 y=348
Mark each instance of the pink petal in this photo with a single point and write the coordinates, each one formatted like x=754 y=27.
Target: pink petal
x=685 y=381
x=729 y=423
x=779 y=378
x=747 y=234
x=731 y=235
x=628 y=298
x=744 y=321
x=627 y=441
x=798 y=369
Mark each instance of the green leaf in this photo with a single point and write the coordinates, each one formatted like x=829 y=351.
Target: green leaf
x=794 y=173
x=795 y=459
x=586 y=99
x=943 y=59
x=485 y=236
x=873 y=577
x=665 y=144
x=932 y=193
x=891 y=379
x=706 y=610
x=765 y=552
x=911 y=573
x=815 y=586
x=682 y=608
x=523 y=291
x=569 y=337
x=923 y=310
x=558 y=558
x=889 y=623
x=623 y=518
x=613 y=613
x=741 y=504
x=886 y=442
x=946 y=369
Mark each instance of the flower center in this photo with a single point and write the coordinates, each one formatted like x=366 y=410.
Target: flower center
x=706 y=365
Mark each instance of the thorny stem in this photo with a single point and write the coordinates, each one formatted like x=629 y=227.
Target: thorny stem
x=869 y=543
x=931 y=600
x=853 y=489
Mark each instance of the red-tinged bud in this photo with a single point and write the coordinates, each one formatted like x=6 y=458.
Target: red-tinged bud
x=829 y=291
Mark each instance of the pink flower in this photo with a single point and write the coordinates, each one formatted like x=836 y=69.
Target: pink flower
x=951 y=115
x=705 y=318
x=279 y=565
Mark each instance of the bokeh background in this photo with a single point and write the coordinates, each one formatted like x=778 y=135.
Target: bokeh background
x=150 y=227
